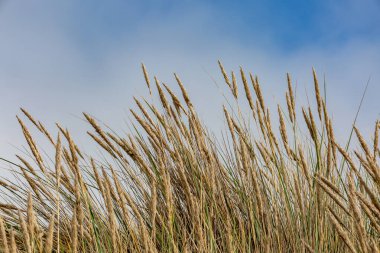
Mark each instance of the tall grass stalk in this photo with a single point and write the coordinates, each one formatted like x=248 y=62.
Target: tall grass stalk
x=170 y=186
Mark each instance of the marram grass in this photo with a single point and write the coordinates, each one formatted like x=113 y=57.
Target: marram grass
x=170 y=186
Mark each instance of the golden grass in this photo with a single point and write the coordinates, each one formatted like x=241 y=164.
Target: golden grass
x=170 y=186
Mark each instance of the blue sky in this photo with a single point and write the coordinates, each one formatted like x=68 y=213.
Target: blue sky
x=285 y=25
x=59 y=58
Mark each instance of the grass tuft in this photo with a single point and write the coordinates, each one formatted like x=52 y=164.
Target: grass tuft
x=170 y=186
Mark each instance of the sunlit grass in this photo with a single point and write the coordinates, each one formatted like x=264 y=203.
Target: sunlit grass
x=273 y=183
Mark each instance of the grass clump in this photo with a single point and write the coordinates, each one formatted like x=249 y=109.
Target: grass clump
x=170 y=186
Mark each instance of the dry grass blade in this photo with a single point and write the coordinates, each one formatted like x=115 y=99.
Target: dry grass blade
x=343 y=234
x=359 y=223
x=171 y=184
x=26 y=235
x=234 y=87
x=32 y=145
x=376 y=139
x=226 y=79
x=317 y=94
x=247 y=91
x=3 y=236
x=49 y=236
x=146 y=76
x=362 y=142
x=13 y=242
x=290 y=100
x=27 y=114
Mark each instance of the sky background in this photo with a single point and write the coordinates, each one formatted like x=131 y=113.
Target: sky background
x=60 y=58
